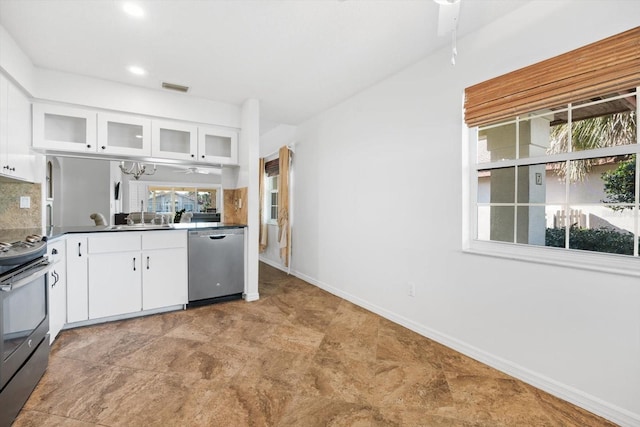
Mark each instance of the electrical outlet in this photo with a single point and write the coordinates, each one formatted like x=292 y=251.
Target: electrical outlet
x=25 y=202
x=412 y=289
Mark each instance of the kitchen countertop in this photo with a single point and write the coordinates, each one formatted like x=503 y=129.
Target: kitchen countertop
x=13 y=235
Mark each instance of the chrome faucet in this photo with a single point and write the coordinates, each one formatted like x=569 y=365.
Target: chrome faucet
x=142 y=212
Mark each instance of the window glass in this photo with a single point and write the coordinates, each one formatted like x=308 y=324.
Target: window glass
x=500 y=224
x=601 y=124
x=585 y=199
x=497 y=142
x=164 y=199
x=497 y=185
x=531 y=225
x=598 y=228
x=551 y=181
x=608 y=180
x=272 y=198
x=535 y=133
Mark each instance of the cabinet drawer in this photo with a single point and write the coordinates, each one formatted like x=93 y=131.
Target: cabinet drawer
x=55 y=251
x=164 y=239
x=115 y=242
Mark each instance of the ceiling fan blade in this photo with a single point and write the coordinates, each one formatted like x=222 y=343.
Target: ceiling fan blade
x=448 y=18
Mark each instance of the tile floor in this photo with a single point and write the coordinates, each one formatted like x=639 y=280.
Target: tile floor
x=297 y=357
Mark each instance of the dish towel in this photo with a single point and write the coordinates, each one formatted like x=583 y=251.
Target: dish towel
x=263 y=238
x=283 y=234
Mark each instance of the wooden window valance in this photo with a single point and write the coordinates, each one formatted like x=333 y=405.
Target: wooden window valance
x=272 y=167
x=600 y=68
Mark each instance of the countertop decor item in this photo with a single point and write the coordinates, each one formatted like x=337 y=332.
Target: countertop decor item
x=98 y=218
x=178 y=216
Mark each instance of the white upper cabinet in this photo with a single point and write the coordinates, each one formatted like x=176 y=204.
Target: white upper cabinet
x=174 y=140
x=62 y=128
x=217 y=145
x=16 y=159
x=124 y=135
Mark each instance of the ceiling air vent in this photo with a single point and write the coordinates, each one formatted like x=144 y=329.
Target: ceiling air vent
x=174 y=86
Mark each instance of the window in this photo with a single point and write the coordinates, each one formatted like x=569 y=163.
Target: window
x=272 y=171
x=162 y=198
x=552 y=159
x=562 y=177
x=272 y=199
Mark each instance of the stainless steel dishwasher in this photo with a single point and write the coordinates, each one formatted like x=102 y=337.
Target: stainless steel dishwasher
x=216 y=265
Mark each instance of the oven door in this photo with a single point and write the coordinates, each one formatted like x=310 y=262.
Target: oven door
x=24 y=320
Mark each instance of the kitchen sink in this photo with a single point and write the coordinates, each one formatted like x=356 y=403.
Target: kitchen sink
x=138 y=227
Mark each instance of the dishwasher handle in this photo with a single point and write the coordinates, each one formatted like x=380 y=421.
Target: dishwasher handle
x=217 y=236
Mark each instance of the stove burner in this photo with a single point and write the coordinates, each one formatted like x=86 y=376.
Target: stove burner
x=16 y=253
x=33 y=238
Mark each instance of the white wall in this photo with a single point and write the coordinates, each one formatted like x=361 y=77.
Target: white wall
x=86 y=186
x=15 y=63
x=378 y=204
x=271 y=141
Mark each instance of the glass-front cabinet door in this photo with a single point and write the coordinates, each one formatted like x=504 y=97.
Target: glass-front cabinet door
x=217 y=145
x=125 y=135
x=63 y=128
x=174 y=140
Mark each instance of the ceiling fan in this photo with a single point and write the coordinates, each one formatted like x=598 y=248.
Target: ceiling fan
x=204 y=171
x=448 y=22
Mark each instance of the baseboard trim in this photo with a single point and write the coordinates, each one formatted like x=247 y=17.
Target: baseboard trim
x=254 y=296
x=274 y=264
x=586 y=401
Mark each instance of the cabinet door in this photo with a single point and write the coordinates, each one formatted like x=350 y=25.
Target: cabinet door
x=4 y=141
x=57 y=288
x=164 y=278
x=114 y=284
x=61 y=128
x=20 y=161
x=219 y=146
x=120 y=134
x=77 y=279
x=173 y=140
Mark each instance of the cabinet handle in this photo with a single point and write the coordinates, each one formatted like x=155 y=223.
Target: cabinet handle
x=104 y=147
x=88 y=145
x=193 y=155
x=134 y=263
x=56 y=278
x=79 y=251
x=147 y=263
x=203 y=156
x=54 y=251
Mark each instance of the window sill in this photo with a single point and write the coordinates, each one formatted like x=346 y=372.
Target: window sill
x=594 y=261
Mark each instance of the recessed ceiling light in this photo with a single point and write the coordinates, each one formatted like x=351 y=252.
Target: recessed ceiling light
x=133 y=9
x=138 y=71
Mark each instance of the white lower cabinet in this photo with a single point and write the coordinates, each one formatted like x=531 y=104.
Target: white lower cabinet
x=77 y=279
x=114 y=284
x=164 y=271
x=127 y=272
x=57 y=288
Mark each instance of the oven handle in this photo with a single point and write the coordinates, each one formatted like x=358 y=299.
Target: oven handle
x=41 y=270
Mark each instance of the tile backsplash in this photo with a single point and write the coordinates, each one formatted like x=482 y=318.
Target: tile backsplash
x=235 y=206
x=11 y=215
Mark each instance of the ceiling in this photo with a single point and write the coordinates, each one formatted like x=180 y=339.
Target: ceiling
x=298 y=57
